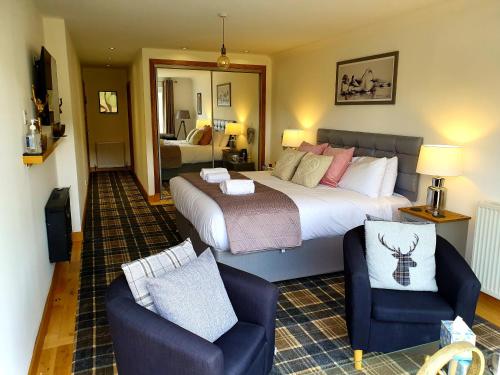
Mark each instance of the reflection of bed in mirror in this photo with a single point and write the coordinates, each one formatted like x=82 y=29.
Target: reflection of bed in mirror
x=181 y=156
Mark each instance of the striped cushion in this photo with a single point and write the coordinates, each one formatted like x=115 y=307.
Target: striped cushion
x=156 y=265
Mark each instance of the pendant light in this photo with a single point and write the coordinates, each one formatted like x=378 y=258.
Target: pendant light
x=223 y=61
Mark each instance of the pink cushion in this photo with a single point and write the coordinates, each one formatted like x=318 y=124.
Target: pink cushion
x=315 y=149
x=341 y=159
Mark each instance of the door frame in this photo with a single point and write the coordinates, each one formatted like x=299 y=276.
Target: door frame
x=154 y=64
x=130 y=128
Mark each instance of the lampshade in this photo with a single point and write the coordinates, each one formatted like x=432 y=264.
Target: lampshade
x=292 y=137
x=233 y=128
x=201 y=122
x=440 y=160
x=182 y=114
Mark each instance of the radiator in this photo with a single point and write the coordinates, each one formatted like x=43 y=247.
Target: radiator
x=110 y=154
x=486 y=250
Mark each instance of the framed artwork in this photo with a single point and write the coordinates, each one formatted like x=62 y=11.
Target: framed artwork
x=367 y=80
x=224 y=95
x=108 y=102
x=199 y=108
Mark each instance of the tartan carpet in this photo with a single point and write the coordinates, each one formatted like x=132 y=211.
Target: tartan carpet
x=311 y=335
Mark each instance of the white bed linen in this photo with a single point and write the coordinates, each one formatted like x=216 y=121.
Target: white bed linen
x=196 y=153
x=324 y=211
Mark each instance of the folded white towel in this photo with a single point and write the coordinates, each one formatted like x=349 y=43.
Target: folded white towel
x=217 y=177
x=237 y=187
x=206 y=171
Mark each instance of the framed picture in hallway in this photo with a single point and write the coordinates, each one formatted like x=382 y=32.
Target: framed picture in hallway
x=108 y=102
x=224 y=95
x=367 y=80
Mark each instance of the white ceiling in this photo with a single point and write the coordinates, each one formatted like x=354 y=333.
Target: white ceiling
x=260 y=26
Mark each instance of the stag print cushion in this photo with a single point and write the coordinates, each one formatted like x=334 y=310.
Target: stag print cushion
x=401 y=255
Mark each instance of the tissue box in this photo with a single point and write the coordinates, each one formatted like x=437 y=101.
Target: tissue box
x=450 y=335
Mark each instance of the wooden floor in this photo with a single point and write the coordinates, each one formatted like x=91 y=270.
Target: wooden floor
x=57 y=349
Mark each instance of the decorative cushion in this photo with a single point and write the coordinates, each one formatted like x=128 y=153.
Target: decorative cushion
x=401 y=255
x=311 y=169
x=156 y=265
x=190 y=134
x=206 y=138
x=341 y=159
x=194 y=298
x=315 y=149
x=287 y=164
x=195 y=138
x=365 y=177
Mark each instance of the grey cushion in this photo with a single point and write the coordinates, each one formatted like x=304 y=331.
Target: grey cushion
x=194 y=298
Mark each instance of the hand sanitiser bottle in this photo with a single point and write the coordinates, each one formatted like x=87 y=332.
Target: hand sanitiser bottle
x=33 y=140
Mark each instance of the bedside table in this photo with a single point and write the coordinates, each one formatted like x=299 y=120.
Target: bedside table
x=453 y=226
x=238 y=165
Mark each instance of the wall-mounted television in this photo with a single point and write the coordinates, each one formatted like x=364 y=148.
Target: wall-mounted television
x=46 y=88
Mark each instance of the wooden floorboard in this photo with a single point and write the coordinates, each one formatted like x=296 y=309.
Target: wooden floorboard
x=57 y=350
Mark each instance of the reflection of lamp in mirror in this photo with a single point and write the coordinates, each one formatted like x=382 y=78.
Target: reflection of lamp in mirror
x=182 y=115
x=437 y=161
x=292 y=138
x=201 y=122
x=233 y=129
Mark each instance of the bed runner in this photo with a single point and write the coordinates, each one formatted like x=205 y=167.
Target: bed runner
x=266 y=219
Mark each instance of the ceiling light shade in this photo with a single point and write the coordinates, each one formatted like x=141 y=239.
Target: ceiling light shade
x=233 y=128
x=223 y=61
x=440 y=160
x=292 y=137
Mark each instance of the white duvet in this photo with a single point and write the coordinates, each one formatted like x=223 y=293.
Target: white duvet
x=196 y=153
x=324 y=211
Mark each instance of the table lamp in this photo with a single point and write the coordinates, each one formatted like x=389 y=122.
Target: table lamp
x=292 y=138
x=233 y=129
x=438 y=161
x=182 y=115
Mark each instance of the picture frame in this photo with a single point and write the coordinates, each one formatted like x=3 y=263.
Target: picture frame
x=224 y=95
x=367 y=80
x=199 y=107
x=108 y=102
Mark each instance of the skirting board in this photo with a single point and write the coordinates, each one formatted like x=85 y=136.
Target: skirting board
x=314 y=257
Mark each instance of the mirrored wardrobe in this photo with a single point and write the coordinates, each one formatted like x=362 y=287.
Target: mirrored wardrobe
x=206 y=118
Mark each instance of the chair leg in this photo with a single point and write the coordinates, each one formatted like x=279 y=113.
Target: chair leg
x=358 y=359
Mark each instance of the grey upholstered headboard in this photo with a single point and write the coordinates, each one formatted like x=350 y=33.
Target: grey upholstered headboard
x=220 y=124
x=405 y=148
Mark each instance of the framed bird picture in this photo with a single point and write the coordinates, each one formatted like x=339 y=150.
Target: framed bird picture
x=367 y=80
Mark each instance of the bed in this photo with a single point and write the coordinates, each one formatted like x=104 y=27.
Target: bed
x=325 y=213
x=179 y=156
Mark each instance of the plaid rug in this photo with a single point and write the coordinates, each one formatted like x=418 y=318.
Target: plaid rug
x=311 y=335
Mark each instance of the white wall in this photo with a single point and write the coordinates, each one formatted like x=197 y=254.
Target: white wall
x=106 y=127
x=25 y=271
x=447 y=89
x=141 y=63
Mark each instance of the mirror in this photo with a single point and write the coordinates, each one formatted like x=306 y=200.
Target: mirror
x=189 y=137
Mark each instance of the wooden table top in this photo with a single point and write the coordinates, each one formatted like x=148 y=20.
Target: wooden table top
x=420 y=211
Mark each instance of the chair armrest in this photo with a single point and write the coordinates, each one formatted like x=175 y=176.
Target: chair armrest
x=146 y=343
x=456 y=281
x=254 y=300
x=358 y=297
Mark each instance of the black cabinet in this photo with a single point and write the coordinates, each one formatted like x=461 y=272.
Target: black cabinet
x=58 y=221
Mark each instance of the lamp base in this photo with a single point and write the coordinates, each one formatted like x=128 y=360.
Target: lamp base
x=436 y=197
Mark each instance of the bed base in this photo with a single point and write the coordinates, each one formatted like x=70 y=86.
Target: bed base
x=314 y=257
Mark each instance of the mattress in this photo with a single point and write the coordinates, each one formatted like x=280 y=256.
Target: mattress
x=195 y=153
x=324 y=211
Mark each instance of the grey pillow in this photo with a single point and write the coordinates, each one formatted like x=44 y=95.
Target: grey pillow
x=194 y=298
x=401 y=255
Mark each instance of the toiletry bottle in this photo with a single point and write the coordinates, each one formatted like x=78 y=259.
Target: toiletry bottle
x=33 y=140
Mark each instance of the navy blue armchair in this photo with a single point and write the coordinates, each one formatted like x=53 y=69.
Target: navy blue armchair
x=388 y=320
x=146 y=343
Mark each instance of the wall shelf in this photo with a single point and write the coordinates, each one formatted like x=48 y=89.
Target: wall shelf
x=32 y=159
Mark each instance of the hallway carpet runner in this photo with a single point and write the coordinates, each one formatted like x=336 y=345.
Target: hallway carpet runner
x=311 y=335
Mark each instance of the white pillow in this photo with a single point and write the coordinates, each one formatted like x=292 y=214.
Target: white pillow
x=365 y=177
x=390 y=175
x=401 y=255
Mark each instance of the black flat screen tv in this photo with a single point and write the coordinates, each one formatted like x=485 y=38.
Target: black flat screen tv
x=46 y=88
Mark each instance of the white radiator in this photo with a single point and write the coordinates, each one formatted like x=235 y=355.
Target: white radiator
x=110 y=154
x=486 y=251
